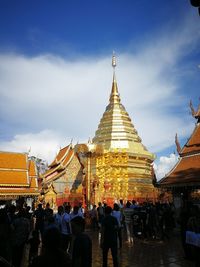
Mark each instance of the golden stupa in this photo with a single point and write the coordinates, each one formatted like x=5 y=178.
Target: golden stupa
x=118 y=166
x=113 y=165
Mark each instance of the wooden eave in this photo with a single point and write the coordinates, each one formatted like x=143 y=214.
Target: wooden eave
x=61 y=155
x=185 y=172
x=193 y=144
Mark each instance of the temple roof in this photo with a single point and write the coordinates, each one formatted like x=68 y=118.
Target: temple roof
x=115 y=130
x=193 y=144
x=185 y=172
x=18 y=175
x=59 y=164
x=187 y=169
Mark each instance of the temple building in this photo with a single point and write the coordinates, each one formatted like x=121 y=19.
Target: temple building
x=62 y=182
x=18 y=177
x=113 y=165
x=184 y=179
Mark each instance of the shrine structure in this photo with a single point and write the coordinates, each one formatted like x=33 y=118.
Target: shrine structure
x=113 y=165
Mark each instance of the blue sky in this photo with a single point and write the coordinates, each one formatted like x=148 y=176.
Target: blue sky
x=55 y=71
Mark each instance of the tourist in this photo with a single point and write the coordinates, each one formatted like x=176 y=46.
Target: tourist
x=81 y=210
x=58 y=217
x=100 y=211
x=128 y=212
x=21 y=232
x=5 y=235
x=75 y=213
x=52 y=254
x=48 y=213
x=118 y=215
x=34 y=242
x=109 y=230
x=66 y=229
x=82 y=244
x=94 y=217
x=39 y=214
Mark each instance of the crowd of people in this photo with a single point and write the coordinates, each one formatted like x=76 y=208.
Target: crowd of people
x=58 y=238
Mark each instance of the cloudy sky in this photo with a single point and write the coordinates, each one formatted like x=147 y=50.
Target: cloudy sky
x=56 y=74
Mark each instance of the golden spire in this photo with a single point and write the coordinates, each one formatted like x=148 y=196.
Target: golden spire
x=114 y=96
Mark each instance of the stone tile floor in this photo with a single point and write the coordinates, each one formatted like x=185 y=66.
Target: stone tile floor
x=142 y=254
x=145 y=253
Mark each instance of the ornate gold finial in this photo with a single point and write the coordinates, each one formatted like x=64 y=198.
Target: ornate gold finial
x=114 y=64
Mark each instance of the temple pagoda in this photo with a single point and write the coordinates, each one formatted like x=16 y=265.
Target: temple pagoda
x=113 y=165
x=184 y=178
x=18 y=176
x=120 y=165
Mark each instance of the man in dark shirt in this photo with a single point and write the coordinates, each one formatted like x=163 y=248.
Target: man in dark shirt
x=109 y=237
x=82 y=244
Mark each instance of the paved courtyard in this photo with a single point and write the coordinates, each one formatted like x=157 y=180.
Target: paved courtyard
x=145 y=253
x=142 y=254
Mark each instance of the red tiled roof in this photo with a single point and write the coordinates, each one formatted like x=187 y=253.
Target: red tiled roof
x=60 y=156
x=193 y=144
x=32 y=168
x=69 y=156
x=186 y=172
x=11 y=160
x=18 y=176
x=60 y=163
x=14 y=178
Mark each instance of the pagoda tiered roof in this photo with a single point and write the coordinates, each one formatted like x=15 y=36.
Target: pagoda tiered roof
x=116 y=130
x=18 y=175
x=187 y=170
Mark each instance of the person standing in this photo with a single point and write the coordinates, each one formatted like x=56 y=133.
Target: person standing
x=128 y=212
x=21 y=230
x=82 y=244
x=118 y=215
x=109 y=230
x=39 y=214
x=66 y=229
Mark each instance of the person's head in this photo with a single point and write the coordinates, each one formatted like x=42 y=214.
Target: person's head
x=67 y=209
x=60 y=209
x=78 y=225
x=75 y=209
x=47 y=206
x=128 y=204
x=39 y=206
x=108 y=210
x=116 y=207
x=133 y=202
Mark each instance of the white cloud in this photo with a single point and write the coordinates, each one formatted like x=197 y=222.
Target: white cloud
x=68 y=97
x=43 y=145
x=164 y=165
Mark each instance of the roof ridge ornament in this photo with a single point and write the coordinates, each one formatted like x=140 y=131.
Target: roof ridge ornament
x=195 y=114
x=178 y=147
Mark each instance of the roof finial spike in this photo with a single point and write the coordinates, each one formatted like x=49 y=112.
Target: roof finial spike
x=114 y=64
